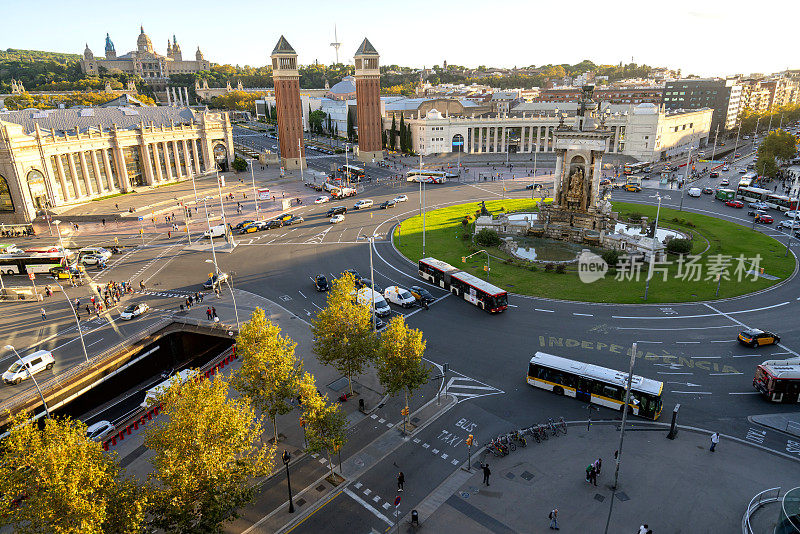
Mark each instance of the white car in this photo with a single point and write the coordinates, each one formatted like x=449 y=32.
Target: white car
x=134 y=310
x=725 y=168
x=695 y=192
x=400 y=296
x=322 y=200
x=337 y=218
x=364 y=203
x=400 y=198
x=96 y=251
x=91 y=259
x=789 y=224
x=28 y=366
x=99 y=430
x=792 y=214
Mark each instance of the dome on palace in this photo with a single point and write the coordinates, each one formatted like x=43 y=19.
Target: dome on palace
x=143 y=43
x=343 y=90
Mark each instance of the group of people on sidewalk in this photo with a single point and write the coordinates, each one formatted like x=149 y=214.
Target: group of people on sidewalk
x=592 y=470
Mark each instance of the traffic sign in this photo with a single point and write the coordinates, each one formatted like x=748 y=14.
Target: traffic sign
x=31 y=276
x=397 y=501
x=141 y=218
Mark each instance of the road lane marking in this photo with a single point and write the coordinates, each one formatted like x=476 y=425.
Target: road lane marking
x=368 y=506
x=654 y=342
x=718 y=312
x=693 y=392
x=301 y=294
x=675 y=329
x=546 y=311
x=744 y=393
x=705 y=357
x=687 y=342
x=666 y=373
x=744 y=355
x=784 y=347
x=724 y=374
x=583 y=314
x=721 y=341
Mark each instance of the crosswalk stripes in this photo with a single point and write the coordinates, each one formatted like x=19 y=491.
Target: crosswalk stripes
x=756 y=435
x=464 y=388
x=319 y=237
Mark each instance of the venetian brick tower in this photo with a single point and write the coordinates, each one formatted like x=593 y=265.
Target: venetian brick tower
x=368 y=102
x=287 y=100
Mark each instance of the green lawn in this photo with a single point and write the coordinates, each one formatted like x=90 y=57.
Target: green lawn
x=712 y=236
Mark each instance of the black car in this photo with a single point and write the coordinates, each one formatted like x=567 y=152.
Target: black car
x=321 y=283
x=336 y=210
x=294 y=220
x=273 y=224
x=242 y=224
x=387 y=204
x=530 y=187
x=714 y=174
x=708 y=191
x=421 y=294
x=355 y=275
x=366 y=282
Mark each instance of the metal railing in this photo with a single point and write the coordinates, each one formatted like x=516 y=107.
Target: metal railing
x=757 y=502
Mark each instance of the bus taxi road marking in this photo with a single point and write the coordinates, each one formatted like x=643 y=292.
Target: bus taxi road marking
x=546 y=311
x=583 y=314
x=702 y=315
x=693 y=392
x=368 y=506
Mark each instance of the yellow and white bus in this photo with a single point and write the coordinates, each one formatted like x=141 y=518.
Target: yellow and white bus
x=592 y=383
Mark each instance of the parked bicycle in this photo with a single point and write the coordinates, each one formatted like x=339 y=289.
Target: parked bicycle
x=517 y=436
x=552 y=426
x=563 y=425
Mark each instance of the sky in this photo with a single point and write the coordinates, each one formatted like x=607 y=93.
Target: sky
x=704 y=37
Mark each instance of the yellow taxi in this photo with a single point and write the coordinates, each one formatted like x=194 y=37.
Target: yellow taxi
x=283 y=217
x=753 y=337
x=632 y=188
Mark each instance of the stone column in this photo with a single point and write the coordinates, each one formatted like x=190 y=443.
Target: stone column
x=178 y=172
x=148 y=164
x=85 y=172
x=109 y=171
x=96 y=167
x=557 y=182
x=73 y=172
x=522 y=139
x=196 y=158
x=122 y=170
x=165 y=147
x=186 y=157
x=62 y=178
x=596 y=175
x=158 y=174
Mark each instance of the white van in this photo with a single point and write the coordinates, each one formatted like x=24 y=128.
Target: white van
x=29 y=366
x=95 y=251
x=364 y=203
x=215 y=231
x=363 y=296
x=153 y=394
x=695 y=192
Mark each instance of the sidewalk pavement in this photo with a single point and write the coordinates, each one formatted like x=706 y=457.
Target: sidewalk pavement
x=672 y=485
x=782 y=422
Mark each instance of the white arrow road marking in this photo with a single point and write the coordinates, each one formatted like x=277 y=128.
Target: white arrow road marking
x=687 y=384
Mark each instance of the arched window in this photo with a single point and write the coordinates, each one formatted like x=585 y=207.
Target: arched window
x=458 y=143
x=6 y=202
x=37 y=188
x=221 y=156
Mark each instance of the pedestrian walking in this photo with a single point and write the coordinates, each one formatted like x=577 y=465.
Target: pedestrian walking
x=486 y=473
x=553 y=519
x=208 y=314
x=714 y=441
x=214 y=312
x=216 y=292
x=644 y=529
x=401 y=478
x=598 y=464
x=593 y=475
x=44 y=314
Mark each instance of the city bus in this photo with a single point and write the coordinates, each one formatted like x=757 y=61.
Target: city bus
x=778 y=380
x=427 y=176
x=479 y=292
x=30 y=263
x=592 y=383
x=635 y=168
x=752 y=194
x=724 y=194
x=781 y=202
x=355 y=174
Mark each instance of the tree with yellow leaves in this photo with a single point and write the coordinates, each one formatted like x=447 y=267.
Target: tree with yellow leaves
x=208 y=451
x=399 y=358
x=342 y=331
x=56 y=481
x=325 y=424
x=270 y=372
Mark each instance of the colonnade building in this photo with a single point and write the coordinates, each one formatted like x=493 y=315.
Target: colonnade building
x=62 y=157
x=647 y=132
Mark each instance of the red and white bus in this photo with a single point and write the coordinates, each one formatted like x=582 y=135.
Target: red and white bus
x=781 y=202
x=479 y=292
x=778 y=380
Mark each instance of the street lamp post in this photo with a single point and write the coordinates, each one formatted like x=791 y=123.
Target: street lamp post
x=210 y=235
x=622 y=434
x=714 y=150
x=77 y=321
x=286 y=457
x=28 y=367
x=424 y=195
x=228 y=236
x=253 y=179
x=300 y=156
x=230 y=288
x=736 y=144
x=686 y=176
x=372 y=277
x=653 y=248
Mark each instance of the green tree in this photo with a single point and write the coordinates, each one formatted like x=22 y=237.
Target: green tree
x=270 y=372
x=315 y=120
x=393 y=133
x=343 y=330
x=766 y=165
x=208 y=451
x=351 y=132
x=66 y=483
x=399 y=359
x=383 y=138
x=780 y=144
x=239 y=164
x=325 y=424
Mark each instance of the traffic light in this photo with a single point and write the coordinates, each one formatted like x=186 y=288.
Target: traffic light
x=469 y=440
x=463 y=259
x=486 y=268
x=404 y=411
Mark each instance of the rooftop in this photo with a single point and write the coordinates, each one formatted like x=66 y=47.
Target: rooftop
x=123 y=117
x=283 y=47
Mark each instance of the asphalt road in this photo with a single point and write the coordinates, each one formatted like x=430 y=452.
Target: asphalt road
x=691 y=347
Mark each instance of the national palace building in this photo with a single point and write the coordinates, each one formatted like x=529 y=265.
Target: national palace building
x=60 y=157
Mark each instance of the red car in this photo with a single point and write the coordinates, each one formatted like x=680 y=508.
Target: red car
x=735 y=203
x=764 y=219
